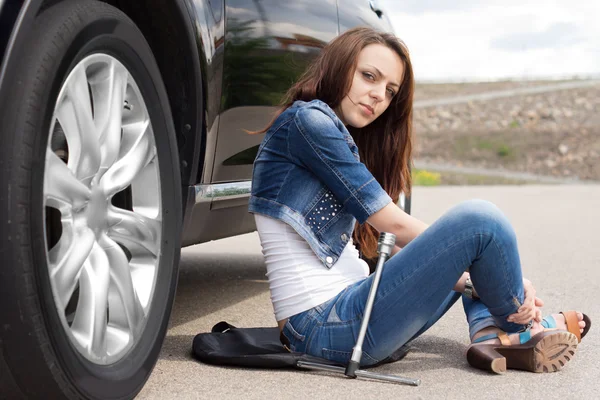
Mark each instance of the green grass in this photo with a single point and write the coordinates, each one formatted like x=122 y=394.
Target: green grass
x=467 y=147
x=504 y=150
x=425 y=178
x=433 y=178
x=484 y=144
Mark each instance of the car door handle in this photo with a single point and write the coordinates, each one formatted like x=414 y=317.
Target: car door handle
x=375 y=9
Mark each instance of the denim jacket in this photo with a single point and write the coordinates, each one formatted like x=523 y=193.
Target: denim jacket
x=308 y=174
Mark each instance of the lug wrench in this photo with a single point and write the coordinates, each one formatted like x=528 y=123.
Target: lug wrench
x=384 y=248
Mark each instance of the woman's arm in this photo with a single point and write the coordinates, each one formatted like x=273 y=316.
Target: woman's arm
x=393 y=219
x=395 y=250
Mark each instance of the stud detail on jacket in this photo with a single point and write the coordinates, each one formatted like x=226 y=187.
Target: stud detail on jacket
x=327 y=207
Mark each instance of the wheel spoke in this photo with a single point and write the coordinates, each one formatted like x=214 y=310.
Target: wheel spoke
x=134 y=227
x=78 y=94
x=59 y=251
x=61 y=188
x=143 y=270
x=69 y=256
x=120 y=274
x=109 y=114
x=123 y=171
x=65 y=114
x=89 y=324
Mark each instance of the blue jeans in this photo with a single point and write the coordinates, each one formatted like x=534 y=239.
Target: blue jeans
x=416 y=289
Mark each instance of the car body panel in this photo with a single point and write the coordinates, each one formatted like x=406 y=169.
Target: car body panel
x=16 y=18
x=268 y=45
x=209 y=27
x=266 y=49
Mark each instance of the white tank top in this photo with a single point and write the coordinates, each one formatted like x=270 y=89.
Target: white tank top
x=297 y=279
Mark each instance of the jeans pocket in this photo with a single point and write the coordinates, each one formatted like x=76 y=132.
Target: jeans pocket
x=296 y=335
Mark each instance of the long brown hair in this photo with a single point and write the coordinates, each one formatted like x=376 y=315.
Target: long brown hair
x=385 y=145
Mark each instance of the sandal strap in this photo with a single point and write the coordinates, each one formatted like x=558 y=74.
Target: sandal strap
x=486 y=337
x=524 y=336
x=549 y=322
x=504 y=339
x=572 y=323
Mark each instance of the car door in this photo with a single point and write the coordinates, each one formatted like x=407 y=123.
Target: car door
x=268 y=43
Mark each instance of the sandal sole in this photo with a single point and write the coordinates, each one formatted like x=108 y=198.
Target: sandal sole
x=553 y=352
x=550 y=354
x=548 y=351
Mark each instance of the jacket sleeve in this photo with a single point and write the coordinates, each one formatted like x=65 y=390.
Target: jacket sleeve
x=319 y=145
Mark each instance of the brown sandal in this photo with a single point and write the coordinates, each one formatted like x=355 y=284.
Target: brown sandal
x=572 y=323
x=547 y=351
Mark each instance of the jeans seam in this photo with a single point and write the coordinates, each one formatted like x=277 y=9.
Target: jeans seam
x=311 y=337
x=340 y=323
x=349 y=354
x=505 y=269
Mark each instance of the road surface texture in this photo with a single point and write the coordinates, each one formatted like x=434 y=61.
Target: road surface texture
x=558 y=228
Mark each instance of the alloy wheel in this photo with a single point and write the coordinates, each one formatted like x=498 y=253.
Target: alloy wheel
x=102 y=209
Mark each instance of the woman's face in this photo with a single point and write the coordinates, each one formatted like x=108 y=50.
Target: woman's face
x=375 y=82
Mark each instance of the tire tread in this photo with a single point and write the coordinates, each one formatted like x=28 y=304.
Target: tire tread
x=55 y=27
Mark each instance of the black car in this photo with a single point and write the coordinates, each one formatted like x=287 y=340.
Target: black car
x=122 y=127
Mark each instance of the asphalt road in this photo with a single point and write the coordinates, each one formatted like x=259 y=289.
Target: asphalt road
x=558 y=229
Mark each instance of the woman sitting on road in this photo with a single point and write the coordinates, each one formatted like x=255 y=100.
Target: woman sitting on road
x=310 y=187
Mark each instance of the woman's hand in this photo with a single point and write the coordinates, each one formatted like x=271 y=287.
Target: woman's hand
x=529 y=310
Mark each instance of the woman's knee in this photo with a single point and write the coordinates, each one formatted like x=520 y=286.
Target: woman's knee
x=483 y=216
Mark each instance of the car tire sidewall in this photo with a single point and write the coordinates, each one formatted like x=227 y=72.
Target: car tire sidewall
x=122 y=40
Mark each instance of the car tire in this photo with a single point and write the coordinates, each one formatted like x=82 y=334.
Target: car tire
x=103 y=340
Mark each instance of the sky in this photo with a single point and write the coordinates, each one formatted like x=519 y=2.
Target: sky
x=456 y=40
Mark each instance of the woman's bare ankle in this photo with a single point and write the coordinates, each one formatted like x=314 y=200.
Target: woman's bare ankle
x=485 y=331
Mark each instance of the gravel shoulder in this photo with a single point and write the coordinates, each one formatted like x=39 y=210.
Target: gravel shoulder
x=552 y=134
